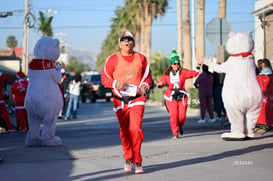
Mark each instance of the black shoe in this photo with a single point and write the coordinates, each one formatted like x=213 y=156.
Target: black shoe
x=181 y=132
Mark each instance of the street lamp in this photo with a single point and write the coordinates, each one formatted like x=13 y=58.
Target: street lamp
x=50 y=11
x=61 y=35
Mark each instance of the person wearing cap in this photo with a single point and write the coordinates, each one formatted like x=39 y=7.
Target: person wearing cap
x=3 y=108
x=19 y=90
x=128 y=73
x=176 y=95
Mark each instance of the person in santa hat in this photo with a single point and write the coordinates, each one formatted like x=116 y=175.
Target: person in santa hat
x=128 y=74
x=19 y=89
x=176 y=95
x=3 y=108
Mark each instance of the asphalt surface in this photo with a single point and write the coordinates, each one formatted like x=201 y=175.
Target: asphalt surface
x=92 y=150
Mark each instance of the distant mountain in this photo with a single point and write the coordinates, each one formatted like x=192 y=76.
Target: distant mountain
x=85 y=56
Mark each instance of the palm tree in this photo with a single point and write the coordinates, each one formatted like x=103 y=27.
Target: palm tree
x=179 y=28
x=200 y=31
x=45 y=26
x=147 y=11
x=132 y=17
x=187 y=39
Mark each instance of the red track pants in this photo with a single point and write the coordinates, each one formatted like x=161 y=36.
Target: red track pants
x=22 y=119
x=131 y=134
x=177 y=110
x=5 y=114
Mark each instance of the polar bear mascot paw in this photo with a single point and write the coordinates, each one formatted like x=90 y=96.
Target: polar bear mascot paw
x=55 y=141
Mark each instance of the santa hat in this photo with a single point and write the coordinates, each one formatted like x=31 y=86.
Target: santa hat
x=174 y=58
x=20 y=74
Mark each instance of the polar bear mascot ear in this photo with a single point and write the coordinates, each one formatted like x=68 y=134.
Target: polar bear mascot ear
x=47 y=48
x=239 y=42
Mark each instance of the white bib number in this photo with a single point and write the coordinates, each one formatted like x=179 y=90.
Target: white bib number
x=129 y=90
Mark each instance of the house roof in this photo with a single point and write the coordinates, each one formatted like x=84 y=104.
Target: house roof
x=11 y=54
x=6 y=53
x=18 y=51
x=266 y=9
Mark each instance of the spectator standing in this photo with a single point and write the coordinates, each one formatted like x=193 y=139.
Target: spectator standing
x=218 y=79
x=265 y=79
x=128 y=74
x=175 y=95
x=64 y=87
x=19 y=89
x=3 y=108
x=204 y=83
x=74 y=93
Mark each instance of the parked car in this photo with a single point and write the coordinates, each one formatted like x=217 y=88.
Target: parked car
x=93 y=89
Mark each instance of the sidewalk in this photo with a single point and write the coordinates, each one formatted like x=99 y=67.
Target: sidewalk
x=91 y=150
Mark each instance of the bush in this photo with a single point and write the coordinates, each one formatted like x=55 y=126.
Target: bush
x=193 y=100
x=157 y=95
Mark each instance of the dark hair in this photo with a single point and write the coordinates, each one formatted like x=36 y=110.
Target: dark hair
x=169 y=69
x=266 y=62
x=205 y=68
x=77 y=77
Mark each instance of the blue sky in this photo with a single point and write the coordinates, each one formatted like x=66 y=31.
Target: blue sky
x=86 y=23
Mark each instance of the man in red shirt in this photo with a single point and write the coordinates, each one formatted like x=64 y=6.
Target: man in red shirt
x=128 y=74
x=19 y=90
x=3 y=108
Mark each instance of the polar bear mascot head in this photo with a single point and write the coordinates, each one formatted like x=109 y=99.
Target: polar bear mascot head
x=47 y=49
x=239 y=42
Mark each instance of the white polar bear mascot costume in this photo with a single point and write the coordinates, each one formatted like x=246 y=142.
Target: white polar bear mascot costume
x=241 y=93
x=44 y=98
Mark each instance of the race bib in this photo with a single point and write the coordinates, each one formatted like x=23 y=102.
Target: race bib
x=174 y=78
x=129 y=90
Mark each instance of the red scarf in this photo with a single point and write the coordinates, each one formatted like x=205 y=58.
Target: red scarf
x=244 y=54
x=39 y=64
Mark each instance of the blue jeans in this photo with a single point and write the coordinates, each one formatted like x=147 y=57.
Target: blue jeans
x=73 y=101
x=218 y=101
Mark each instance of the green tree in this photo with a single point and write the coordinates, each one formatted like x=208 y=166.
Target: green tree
x=75 y=66
x=45 y=24
x=158 y=64
x=11 y=42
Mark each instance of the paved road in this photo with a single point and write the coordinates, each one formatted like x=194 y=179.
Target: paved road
x=91 y=150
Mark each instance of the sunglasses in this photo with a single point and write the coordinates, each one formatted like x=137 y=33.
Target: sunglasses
x=175 y=63
x=128 y=38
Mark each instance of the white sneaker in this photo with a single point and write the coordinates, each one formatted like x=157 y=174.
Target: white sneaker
x=201 y=121
x=212 y=120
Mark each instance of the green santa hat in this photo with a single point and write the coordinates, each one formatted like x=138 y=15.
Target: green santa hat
x=174 y=58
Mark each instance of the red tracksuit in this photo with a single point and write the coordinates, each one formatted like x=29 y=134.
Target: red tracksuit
x=177 y=109
x=266 y=114
x=19 y=89
x=3 y=108
x=132 y=70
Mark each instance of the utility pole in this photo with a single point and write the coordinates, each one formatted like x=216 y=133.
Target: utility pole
x=222 y=15
x=193 y=34
x=25 y=39
x=179 y=29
